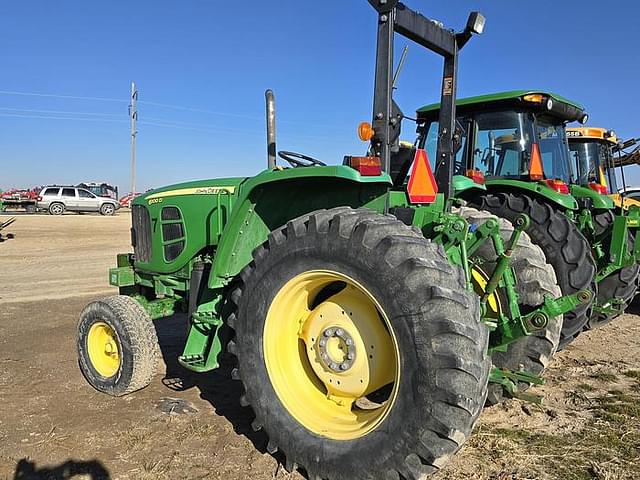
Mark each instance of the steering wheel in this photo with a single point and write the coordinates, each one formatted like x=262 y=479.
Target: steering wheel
x=299 y=160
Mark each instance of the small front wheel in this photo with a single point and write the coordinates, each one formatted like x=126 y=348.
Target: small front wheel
x=117 y=345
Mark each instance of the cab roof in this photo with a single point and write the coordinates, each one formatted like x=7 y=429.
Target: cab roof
x=591 y=133
x=500 y=99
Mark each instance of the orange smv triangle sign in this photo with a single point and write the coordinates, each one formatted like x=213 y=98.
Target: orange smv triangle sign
x=422 y=186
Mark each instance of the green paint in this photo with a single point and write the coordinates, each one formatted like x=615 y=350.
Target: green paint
x=599 y=201
x=465 y=184
x=512 y=97
x=537 y=189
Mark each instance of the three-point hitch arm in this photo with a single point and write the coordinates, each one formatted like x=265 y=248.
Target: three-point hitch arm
x=395 y=17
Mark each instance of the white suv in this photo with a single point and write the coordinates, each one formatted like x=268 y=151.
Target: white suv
x=56 y=200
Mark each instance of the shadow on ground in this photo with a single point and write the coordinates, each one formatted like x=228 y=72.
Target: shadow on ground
x=215 y=387
x=89 y=470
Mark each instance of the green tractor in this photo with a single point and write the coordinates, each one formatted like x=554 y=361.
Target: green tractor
x=364 y=316
x=513 y=146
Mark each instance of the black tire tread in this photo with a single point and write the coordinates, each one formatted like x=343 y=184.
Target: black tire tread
x=415 y=258
x=143 y=346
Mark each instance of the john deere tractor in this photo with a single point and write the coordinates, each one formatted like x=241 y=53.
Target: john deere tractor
x=363 y=314
x=595 y=155
x=513 y=144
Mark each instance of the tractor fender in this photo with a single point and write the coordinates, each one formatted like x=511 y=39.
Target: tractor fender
x=534 y=189
x=464 y=184
x=272 y=198
x=598 y=201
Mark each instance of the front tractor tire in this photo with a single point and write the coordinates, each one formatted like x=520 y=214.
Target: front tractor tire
x=118 y=350
x=535 y=279
x=565 y=248
x=359 y=348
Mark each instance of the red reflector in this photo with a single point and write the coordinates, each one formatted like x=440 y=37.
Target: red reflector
x=422 y=186
x=558 y=185
x=476 y=175
x=598 y=187
x=366 y=166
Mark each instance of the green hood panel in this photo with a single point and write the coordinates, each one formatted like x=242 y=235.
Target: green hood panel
x=241 y=186
x=564 y=201
x=598 y=200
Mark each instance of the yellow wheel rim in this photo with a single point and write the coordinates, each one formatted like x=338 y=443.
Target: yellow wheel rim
x=331 y=355
x=479 y=280
x=104 y=352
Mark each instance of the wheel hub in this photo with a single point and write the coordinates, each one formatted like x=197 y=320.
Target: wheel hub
x=103 y=349
x=337 y=349
x=324 y=358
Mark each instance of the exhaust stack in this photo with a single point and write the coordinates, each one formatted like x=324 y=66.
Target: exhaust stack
x=271 y=129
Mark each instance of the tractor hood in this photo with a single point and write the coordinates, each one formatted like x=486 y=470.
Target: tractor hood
x=199 y=187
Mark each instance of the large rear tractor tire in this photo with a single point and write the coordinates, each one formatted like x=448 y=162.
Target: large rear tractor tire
x=621 y=284
x=565 y=248
x=117 y=345
x=360 y=351
x=535 y=279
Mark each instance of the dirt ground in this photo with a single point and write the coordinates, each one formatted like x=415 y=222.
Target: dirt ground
x=189 y=426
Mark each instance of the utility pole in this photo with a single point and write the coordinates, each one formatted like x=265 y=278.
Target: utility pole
x=133 y=114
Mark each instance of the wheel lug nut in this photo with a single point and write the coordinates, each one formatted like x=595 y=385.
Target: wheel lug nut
x=339 y=332
x=349 y=342
x=344 y=366
x=328 y=332
x=333 y=366
x=350 y=356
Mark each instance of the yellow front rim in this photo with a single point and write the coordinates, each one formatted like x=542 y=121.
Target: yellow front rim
x=479 y=280
x=331 y=355
x=104 y=352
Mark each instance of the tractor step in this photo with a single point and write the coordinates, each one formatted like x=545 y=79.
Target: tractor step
x=196 y=363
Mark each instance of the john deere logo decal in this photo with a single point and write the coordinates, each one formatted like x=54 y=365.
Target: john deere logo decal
x=213 y=190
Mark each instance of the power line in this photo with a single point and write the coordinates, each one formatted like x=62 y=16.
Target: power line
x=51 y=117
x=159 y=104
x=199 y=110
x=65 y=112
x=55 y=95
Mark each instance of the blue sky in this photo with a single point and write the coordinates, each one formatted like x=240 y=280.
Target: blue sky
x=208 y=64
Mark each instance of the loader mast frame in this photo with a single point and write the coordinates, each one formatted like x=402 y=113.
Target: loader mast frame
x=395 y=17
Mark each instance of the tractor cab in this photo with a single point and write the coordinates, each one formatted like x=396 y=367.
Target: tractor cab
x=591 y=153
x=516 y=136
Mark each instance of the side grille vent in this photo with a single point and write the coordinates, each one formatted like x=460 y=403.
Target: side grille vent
x=141 y=233
x=173 y=236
